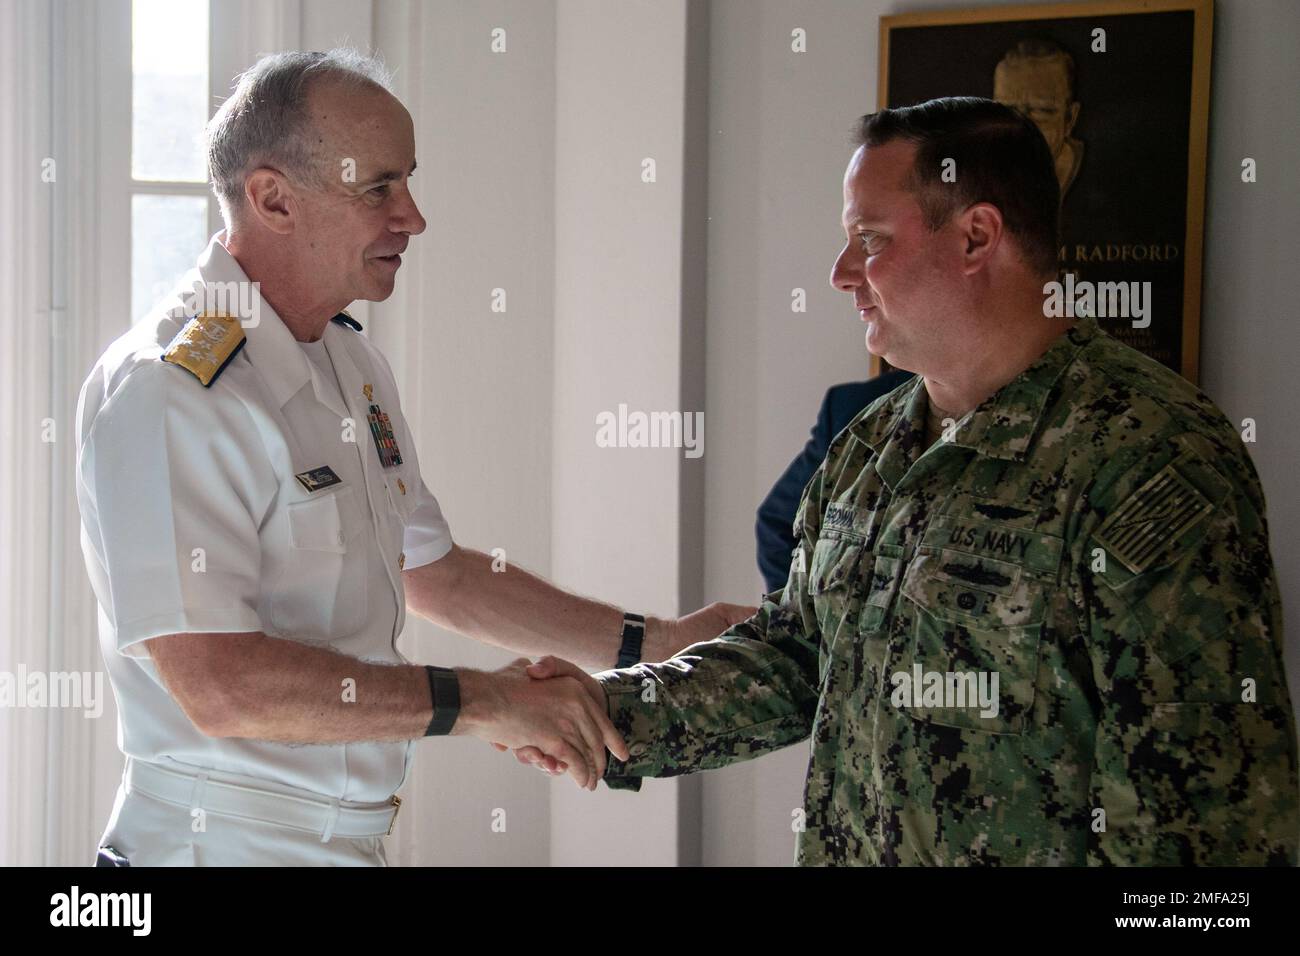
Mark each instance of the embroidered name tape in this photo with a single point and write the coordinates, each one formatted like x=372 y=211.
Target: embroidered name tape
x=318 y=478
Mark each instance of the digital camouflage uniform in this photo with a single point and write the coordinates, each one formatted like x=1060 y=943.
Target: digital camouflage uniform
x=1094 y=534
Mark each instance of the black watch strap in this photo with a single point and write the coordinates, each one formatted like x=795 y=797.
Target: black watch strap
x=444 y=688
x=629 y=652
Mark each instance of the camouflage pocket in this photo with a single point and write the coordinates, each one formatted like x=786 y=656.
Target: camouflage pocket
x=830 y=572
x=970 y=657
x=833 y=563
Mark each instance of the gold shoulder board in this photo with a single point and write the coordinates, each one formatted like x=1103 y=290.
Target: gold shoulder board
x=206 y=345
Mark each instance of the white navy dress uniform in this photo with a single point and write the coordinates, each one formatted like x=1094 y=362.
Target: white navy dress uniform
x=219 y=493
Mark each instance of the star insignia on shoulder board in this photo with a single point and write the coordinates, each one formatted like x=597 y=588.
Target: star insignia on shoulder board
x=205 y=345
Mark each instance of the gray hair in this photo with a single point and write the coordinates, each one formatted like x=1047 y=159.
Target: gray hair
x=265 y=121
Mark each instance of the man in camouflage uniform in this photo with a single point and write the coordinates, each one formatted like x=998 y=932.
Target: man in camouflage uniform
x=1085 y=528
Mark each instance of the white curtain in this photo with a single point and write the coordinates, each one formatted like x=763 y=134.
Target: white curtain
x=56 y=763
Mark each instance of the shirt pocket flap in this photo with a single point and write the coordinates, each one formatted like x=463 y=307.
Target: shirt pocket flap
x=322 y=524
x=832 y=564
x=974 y=590
x=975 y=627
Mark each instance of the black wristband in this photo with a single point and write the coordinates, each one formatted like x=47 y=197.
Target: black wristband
x=629 y=652
x=444 y=689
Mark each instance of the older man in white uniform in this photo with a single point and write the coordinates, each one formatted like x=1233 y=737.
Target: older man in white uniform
x=255 y=523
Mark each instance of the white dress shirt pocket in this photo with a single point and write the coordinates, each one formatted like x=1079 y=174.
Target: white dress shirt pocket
x=323 y=593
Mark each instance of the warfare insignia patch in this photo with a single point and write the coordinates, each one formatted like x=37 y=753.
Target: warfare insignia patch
x=206 y=345
x=1139 y=530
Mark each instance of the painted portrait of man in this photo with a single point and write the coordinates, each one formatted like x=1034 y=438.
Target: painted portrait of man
x=1037 y=78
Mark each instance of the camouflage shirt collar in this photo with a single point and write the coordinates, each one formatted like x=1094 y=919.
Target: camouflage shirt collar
x=1004 y=424
x=876 y=430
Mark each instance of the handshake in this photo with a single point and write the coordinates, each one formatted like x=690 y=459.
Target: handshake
x=554 y=715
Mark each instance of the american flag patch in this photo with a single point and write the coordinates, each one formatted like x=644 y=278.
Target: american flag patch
x=1161 y=510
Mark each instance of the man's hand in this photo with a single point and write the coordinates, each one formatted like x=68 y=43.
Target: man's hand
x=545 y=669
x=663 y=640
x=559 y=718
x=702 y=625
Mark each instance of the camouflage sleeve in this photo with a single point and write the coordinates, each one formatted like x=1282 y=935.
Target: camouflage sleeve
x=752 y=690
x=1195 y=752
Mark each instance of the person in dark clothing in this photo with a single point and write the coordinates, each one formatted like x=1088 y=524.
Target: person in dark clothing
x=774 y=527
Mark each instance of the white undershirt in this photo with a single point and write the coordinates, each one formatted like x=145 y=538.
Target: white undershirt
x=321 y=358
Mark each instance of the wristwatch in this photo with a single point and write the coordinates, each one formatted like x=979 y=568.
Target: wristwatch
x=633 y=635
x=444 y=688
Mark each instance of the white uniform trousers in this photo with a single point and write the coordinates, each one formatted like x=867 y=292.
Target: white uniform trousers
x=149 y=829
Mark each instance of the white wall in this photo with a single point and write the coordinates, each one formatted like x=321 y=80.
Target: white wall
x=1250 y=323
x=620 y=299
x=779 y=125
x=476 y=384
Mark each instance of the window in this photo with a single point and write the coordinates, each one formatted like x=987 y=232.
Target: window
x=170 y=206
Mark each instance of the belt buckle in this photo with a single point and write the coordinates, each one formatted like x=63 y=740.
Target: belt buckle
x=397 y=807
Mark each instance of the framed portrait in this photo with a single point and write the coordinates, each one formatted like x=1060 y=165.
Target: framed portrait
x=1121 y=91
